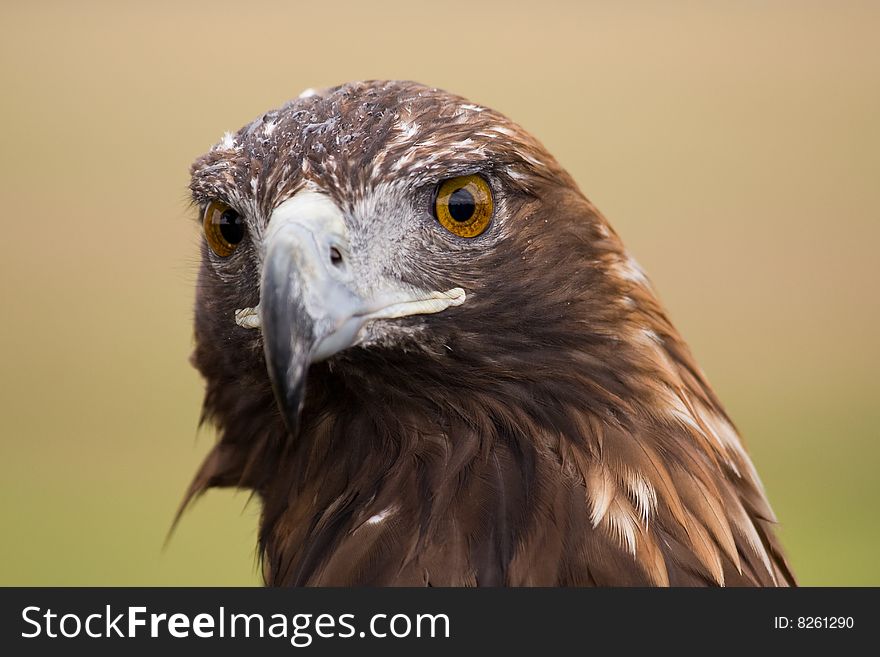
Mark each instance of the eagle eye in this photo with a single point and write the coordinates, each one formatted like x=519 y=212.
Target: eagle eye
x=463 y=205
x=224 y=228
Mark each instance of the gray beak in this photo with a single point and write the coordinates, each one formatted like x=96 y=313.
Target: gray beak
x=306 y=301
x=312 y=303
x=288 y=335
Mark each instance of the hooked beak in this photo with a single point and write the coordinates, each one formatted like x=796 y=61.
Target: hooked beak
x=312 y=302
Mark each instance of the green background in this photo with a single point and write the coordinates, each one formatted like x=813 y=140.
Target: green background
x=735 y=146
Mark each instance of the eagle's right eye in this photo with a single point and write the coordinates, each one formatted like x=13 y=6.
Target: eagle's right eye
x=224 y=228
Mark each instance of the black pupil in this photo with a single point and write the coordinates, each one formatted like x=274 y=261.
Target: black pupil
x=231 y=226
x=462 y=205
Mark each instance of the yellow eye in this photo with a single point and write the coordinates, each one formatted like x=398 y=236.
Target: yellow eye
x=224 y=228
x=464 y=205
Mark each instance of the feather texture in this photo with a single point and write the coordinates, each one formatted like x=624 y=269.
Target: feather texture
x=553 y=430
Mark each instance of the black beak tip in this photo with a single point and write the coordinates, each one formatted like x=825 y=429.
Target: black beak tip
x=287 y=374
x=290 y=402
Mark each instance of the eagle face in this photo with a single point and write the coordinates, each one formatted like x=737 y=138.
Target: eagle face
x=419 y=338
x=348 y=219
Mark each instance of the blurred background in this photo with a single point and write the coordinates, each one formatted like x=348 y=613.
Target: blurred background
x=735 y=146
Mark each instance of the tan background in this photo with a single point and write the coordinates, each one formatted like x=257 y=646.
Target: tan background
x=735 y=146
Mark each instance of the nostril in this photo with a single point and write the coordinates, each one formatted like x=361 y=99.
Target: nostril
x=335 y=256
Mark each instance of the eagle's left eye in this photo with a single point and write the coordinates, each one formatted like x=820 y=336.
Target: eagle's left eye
x=463 y=205
x=224 y=228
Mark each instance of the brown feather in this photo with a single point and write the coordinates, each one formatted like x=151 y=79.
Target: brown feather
x=553 y=430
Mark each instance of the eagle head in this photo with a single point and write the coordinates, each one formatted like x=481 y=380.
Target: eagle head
x=425 y=349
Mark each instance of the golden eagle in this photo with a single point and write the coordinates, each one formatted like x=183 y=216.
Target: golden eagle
x=434 y=362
